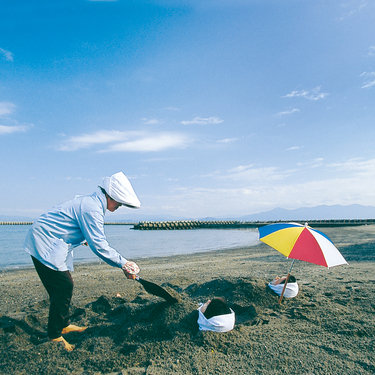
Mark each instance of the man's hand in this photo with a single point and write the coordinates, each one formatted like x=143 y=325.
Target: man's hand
x=130 y=269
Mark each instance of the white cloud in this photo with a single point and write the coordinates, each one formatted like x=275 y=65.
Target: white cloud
x=287 y=112
x=314 y=163
x=151 y=143
x=357 y=167
x=126 y=141
x=370 y=82
x=8 y=55
x=371 y=51
x=11 y=129
x=6 y=108
x=294 y=148
x=100 y=137
x=249 y=173
x=249 y=189
x=203 y=121
x=227 y=140
x=152 y=121
x=313 y=94
x=351 y=8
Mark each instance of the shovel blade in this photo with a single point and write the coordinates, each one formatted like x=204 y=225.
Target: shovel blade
x=157 y=290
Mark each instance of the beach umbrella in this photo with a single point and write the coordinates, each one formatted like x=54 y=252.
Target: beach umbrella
x=297 y=241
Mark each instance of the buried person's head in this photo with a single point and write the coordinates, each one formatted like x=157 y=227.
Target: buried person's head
x=215 y=315
x=290 y=290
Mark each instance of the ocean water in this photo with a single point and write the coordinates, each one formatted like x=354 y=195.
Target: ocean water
x=132 y=243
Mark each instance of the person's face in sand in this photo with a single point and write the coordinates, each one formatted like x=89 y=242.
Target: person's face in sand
x=217 y=306
x=278 y=280
x=204 y=307
x=281 y=280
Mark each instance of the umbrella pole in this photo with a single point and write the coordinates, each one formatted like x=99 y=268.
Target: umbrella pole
x=286 y=282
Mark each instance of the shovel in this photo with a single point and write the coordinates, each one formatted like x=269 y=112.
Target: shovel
x=133 y=269
x=156 y=290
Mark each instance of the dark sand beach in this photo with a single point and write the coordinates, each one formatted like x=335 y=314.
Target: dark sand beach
x=327 y=329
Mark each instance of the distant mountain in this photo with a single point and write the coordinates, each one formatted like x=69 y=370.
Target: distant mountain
x=354 y=211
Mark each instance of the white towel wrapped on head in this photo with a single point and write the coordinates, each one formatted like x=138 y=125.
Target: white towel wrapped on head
x=291 y=289
x=218 y=323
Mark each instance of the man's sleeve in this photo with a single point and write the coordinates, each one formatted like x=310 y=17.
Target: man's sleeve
x=92 y=227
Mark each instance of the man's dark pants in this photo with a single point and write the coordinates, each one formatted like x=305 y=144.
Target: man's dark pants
x=59 y=285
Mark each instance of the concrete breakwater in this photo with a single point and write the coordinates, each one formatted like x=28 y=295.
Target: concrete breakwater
x=216 y=224
x=185 y=224
x=233 y=224
x=16 y=222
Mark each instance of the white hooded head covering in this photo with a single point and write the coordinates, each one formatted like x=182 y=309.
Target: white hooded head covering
x=218 y=323
x=118 y=187
x=291 y=289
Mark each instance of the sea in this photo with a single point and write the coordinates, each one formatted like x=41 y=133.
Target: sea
x=131 y=243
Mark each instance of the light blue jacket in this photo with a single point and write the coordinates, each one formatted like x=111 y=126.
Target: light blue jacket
x=52 y=238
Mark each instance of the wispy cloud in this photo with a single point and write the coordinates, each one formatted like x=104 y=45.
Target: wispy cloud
x=352 y=7
x=251 y=173
x=11 y=129
x=294 y=148
x=97 y=138
x=358 y=166
x=151 y=143
x=227 y=140
x=315 y=163
x=126 y=141
x=313 y=94
x=7 y=55
x=371 y=51
x=152 y=121
x=250 y=188
x=203 y=121
x=371 y=79
x=6 y=108
x=287 y=112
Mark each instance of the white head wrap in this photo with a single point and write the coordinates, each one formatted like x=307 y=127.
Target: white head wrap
x=218 y=323
x=118 y=187
x=291 y=289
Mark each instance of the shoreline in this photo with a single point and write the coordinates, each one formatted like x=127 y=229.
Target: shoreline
x=327 y=328
x=342 y=237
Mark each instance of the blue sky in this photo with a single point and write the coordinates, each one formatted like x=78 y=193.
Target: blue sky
x=211 y=108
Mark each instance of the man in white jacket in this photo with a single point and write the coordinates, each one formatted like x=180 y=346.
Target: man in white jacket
x=52 y=238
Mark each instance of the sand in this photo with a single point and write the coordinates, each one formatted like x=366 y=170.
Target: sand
x=327 y=329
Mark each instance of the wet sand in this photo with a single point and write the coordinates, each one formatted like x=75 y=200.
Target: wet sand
x=327 y=329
